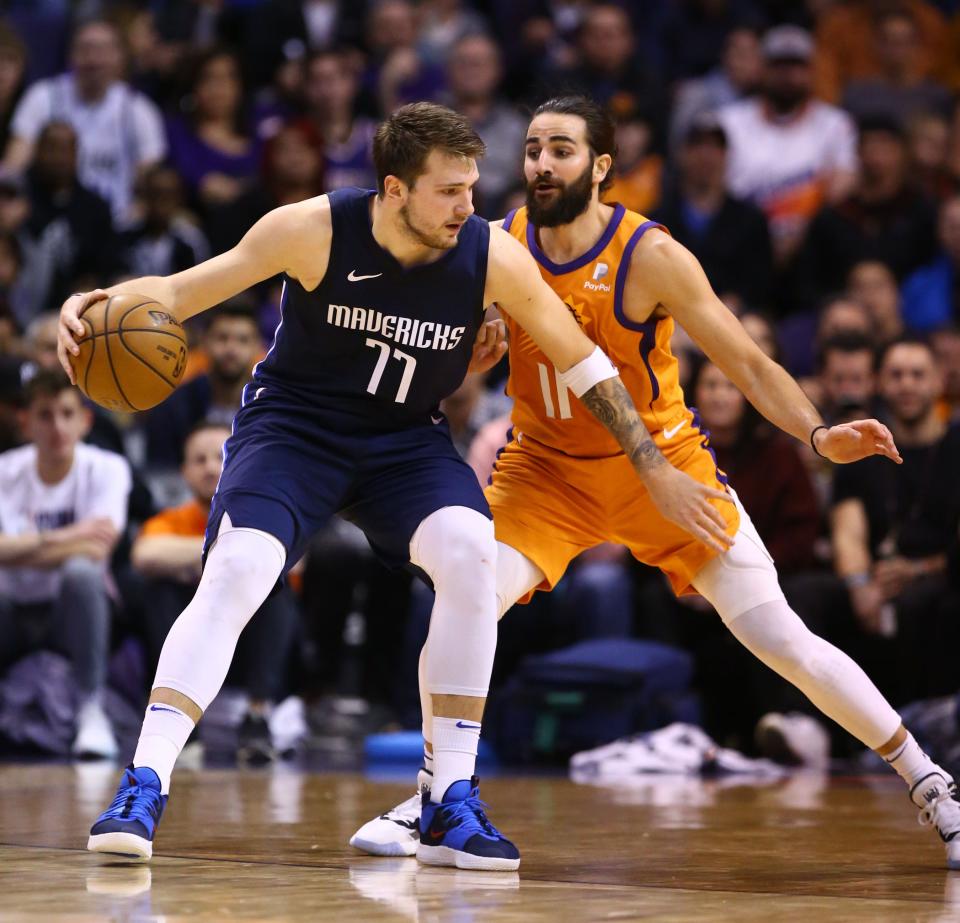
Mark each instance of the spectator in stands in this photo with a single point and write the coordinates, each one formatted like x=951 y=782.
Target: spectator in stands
x=474 y=72
x=738 y=76
x=330 y=91
x=638 y=168
x=211 y=146
x=119 y=130
x=292 y=171
x=13 y=66
x=63 y=506
x=884 y=218
x=610 y=71
x=789 y=153
x=847 y=48
x=396 y=72
x=163 y=241
x=928 y=137
x=930 y=293
x=232 y=342
x=946 y=346
x=168 y=553
x=872 y=284
x=728 y=235
x=765 y=468
x=67 y=235
x=839 y=314
x=469 y=409
x=900 y=90
x=442 y=24
x=846 y=377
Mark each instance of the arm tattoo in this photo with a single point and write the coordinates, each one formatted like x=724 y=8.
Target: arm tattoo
x=612 y=405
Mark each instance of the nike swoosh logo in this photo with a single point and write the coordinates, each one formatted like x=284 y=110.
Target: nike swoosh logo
x=353 y=277
x=469 y=727
x=670 y=433
x=161 y=708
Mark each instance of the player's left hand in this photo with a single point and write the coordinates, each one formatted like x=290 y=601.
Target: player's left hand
x=489 y=346
x=849 y=442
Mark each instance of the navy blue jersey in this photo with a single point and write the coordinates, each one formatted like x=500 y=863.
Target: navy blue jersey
x=376 y=345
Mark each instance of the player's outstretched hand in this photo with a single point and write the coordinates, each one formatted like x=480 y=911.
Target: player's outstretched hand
x=489 y=346
x=71 y=327
x=849 y=442
x=686 y=502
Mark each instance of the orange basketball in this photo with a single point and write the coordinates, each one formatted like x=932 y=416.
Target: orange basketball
x=132 y=355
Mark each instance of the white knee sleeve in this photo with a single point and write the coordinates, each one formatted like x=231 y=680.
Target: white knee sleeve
x=826 y=675
x=241 y=569
x=743 y=577
x=456 y=548
x=517 y=575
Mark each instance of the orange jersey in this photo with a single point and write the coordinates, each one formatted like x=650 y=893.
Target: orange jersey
x=188 y=520
x=592 y=286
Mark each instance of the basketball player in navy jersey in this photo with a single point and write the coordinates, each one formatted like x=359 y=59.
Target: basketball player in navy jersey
x=383 y=299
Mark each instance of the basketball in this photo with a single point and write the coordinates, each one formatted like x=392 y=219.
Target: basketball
x=132 y=355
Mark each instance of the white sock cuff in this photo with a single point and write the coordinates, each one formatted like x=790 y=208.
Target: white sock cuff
x=456 y=734
x=477 y=692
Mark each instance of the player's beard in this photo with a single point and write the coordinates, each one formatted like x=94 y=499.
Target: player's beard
x=436 y=240
x=570 y=202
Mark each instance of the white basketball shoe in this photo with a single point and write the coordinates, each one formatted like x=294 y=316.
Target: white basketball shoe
x=936 y=796
x=396 y=833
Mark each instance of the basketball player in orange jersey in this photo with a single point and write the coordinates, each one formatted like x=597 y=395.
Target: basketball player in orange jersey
x=562 y=485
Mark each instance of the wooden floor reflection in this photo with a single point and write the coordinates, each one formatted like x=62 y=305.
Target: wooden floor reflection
x=271 y=846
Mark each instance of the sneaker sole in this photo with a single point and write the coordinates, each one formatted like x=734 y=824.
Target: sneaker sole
x=457 y=858
x=394 y=848
x=121 y=844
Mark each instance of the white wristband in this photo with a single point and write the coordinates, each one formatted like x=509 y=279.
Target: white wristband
x=581 y=377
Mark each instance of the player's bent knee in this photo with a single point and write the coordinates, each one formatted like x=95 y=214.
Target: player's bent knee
x=455 y=543
x=241 y=569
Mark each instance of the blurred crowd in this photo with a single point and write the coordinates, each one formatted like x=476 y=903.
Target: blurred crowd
x=807 y=151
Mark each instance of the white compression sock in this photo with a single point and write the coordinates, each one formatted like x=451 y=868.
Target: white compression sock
x=163 y=735
x=455 y=745
x=912 y=764
x=456 y=548
x=241 y=569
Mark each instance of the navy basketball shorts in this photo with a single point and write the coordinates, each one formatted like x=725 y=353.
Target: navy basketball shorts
x=286 y=475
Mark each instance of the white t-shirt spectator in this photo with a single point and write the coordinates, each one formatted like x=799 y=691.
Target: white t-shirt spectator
x=782 y=165
x=116 y=135
x=97 y=485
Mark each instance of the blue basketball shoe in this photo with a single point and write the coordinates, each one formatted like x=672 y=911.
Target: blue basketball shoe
x=128 y=825
x=456 y=832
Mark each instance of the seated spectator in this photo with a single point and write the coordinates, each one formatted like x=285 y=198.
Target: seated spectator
x=872 y=284
x=637 y=170
x=211 y=146
x=737 y=77
x=728 y=235
x=443 y=24
x=884 y=218
x=163 y=241
x=765 y=468
x=928 y=138
x=232 y=342
x=168 y=553
x=292 y=172
x=330 y=91
x=119 y=130
x=63 y=506
x=839 y=314
x=13 y=66
x=930 y=293
x=67 y=235
x=789 y=153
x=847 y=48
x=474 y=72
x=396 y=72
x=609 y=70
x=946 y=346
x=899 y=91
x=892 y=528
x=845 y=375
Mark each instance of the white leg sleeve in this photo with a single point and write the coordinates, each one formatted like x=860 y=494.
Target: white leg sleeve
x=241 y=569
x=742 y=585
x=456 y=548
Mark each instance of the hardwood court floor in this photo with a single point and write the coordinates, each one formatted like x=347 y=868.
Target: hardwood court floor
x=271 y=846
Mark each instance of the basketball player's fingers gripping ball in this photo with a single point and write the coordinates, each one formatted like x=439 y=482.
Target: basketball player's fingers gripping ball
x=70 y=327
x=132 y=353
